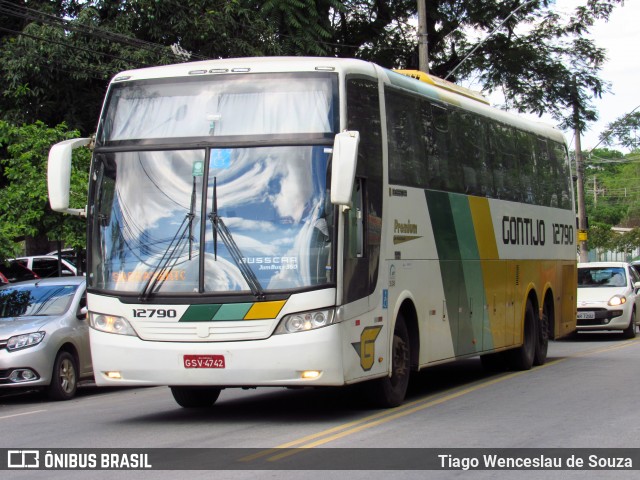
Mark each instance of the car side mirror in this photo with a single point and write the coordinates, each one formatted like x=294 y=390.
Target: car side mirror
x=636 y=286
x=82 y=314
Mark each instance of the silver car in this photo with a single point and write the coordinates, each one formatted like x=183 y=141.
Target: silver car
x=44 y=336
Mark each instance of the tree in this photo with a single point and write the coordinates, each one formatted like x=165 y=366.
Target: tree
x=612 y=191
x=58 y=56
x=601 y=237
x=25 y=214
x=623 y=131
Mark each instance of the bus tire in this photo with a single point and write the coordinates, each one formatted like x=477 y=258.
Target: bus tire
x=195 y=397
x=390 y=391
x=521 y=358
x=542 y=345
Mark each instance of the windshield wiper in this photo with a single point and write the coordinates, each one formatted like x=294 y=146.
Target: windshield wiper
x=219 y=228
x=170 y=254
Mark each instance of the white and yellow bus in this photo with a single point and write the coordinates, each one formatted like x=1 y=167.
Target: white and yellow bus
x=316 y=222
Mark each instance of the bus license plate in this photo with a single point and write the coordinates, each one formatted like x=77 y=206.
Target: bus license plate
x=203 y=361
x=586 y=315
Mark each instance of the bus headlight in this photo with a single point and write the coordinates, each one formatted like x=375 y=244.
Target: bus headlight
x=111 y=324
x=302 y=322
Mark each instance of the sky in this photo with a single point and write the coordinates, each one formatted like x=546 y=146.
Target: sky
x=620 y=36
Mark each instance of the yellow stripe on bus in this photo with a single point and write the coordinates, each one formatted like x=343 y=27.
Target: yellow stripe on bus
x=265 y=310
x=483 y=225
x=494 y=275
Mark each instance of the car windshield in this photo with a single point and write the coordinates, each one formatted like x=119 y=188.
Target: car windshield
x=35 y=300
x=601 y=277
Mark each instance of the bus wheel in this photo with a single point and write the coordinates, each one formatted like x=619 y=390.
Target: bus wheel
x=390 y=391
x=195 y=397
x=542 y=345
x=522 y=358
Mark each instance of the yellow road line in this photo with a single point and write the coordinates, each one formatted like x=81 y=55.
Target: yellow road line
x=341 y=431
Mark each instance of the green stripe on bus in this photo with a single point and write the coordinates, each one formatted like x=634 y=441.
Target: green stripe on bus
x=461 y=271
x=471 y=336
x=200 y=313
x=232 y=311
x=446 y=239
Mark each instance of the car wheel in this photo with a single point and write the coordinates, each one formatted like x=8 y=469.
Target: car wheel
x=630 y=331
x=64 y=380
x=195 y=397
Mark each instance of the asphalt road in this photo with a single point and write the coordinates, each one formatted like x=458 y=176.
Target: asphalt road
x=585 y=396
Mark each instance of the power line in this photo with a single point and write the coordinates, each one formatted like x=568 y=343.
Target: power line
x=73 y=47
x=101 y=33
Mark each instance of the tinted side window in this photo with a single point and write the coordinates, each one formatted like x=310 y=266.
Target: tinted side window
x=407 y=129
x=363 y=114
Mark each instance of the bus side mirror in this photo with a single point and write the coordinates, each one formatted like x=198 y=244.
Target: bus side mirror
x=59 y=175
x=343 y=166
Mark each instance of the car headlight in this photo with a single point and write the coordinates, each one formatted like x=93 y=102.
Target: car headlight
x=305 y=321
x=111 y=324
x=24 y=341
x=617 y=300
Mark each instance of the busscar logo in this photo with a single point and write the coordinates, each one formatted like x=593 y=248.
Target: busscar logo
x=23 y=459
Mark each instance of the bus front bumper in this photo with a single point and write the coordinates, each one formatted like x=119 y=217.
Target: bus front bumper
x=281 y=360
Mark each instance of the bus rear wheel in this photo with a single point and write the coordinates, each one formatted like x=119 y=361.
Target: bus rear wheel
x=390 y=391
x=542 y=343
x=195 y=397
x=522 y=358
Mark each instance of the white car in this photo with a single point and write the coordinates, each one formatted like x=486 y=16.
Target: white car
x=608 y=297
x=46 y=266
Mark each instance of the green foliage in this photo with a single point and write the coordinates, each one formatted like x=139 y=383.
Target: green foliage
x=24 y=205
x=601 y=236
x=58 y=56
x=57 y=59
x=623 y=131
x=612 y=187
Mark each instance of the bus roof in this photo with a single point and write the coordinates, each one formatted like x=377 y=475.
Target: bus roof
x=414 y=81
x=446 y=85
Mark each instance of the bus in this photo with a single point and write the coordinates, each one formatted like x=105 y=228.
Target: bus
x=309 y=222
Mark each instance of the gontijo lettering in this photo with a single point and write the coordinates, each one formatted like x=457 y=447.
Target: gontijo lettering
x=522 y=231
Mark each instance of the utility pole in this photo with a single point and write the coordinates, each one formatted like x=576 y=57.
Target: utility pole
x=582 y=214
x=423 y=46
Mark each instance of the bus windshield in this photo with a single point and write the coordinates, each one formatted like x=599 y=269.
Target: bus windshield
x=220 y=105
x=154 y=220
